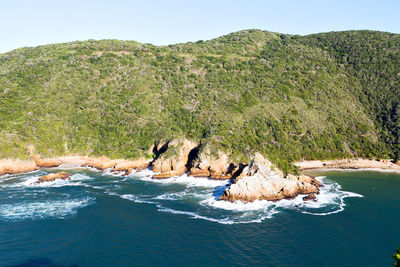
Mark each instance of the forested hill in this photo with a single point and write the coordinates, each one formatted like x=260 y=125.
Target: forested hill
x=329 y=95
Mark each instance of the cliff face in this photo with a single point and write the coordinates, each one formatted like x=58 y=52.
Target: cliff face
x=214 y=163
x=175 y=160
x=261 y=180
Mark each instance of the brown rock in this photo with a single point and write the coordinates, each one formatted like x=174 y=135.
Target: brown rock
x=47 y=163
x=54 y=176
x=220 y=176
x=199 y=173
x=128 y=165
x=263 y=181
x=10 y=166
x=310 y=197
x=165 y=175
x=175 y=158
x=101 y=163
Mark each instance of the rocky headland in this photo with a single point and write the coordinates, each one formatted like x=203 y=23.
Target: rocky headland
x=261 y=180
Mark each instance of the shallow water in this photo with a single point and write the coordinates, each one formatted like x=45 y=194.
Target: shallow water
x=101 y=219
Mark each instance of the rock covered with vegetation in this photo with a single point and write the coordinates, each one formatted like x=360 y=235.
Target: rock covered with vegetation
x=321 y=96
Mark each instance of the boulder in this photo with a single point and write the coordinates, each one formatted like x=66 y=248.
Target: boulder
x=310 y=197
x=54 y=176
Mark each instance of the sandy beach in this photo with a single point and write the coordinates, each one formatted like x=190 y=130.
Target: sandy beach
x=384 y=164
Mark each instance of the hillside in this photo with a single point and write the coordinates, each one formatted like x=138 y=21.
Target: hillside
x=322 y=96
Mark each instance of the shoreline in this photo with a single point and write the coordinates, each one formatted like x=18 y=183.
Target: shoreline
x=349 y=164
x=16 y=166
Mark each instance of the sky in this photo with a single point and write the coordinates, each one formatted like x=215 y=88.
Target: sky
x=36 y=22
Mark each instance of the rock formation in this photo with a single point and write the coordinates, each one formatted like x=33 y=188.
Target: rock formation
x=10 y=166
x=47 y=163
x=216 y=165
x=310 y=197
x=173 y=162
x=261 y=180
x=101 y=163
x=128 y=165
x=54 y=176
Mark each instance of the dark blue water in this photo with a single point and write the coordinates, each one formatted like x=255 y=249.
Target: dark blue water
x=98 y=219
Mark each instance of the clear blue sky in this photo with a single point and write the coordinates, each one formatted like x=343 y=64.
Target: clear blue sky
x=36 y=22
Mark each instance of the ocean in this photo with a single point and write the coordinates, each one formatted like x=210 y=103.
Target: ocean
x=102 y=219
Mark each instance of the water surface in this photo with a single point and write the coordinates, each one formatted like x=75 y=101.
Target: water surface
x=100 y=219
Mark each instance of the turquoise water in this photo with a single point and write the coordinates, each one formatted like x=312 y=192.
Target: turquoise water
x=100 y=219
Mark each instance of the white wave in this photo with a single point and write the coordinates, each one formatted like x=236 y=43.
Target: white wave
x=256 y=205
x=331 y=198
x=194 y=215
x=170 y=196
x=42 y=210
x=143 y=173
x=75 y=180
x=226 y=220
x=113 y=173
x=189 y=181
x=135 y=199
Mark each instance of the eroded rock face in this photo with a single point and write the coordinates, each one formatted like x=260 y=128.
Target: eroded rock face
x=54 y=176
x=11 y=166
x=261 y=180
x=214 y=165
x=128 y=165
x=101 y=163
x=47 y=163
x=174 y=161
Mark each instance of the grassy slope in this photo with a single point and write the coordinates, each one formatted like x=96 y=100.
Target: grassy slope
x=289 y=97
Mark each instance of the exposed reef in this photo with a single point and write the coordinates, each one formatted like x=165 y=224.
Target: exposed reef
x=54 y=176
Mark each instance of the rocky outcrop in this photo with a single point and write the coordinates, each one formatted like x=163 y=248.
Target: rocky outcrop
x=216 y=165
x=12 y=166
x=128 y=166
x=101 y=163
x=47 y=162
x=174 y=161
x=310 y=197
x=261 y=180
x=54 y=176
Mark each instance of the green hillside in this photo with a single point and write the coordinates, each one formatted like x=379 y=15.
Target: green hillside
x=329 y=95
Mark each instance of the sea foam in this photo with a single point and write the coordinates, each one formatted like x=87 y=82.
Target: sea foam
x=43 y=209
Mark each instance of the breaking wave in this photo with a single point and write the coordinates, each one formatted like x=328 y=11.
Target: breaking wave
x=43 y=209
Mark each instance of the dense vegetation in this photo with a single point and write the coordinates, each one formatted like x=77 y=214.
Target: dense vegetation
x=329 y=95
